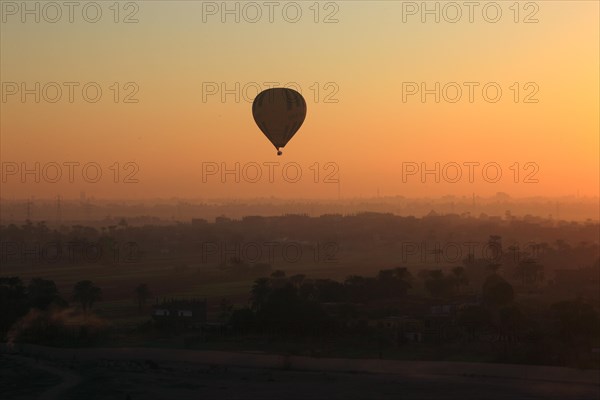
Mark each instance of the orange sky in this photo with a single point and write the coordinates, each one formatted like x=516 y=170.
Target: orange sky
x=366 y=138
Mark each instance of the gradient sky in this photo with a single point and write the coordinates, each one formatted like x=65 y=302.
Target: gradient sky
x=369 y=133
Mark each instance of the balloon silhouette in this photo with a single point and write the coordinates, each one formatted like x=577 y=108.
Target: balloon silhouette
x=279 y=113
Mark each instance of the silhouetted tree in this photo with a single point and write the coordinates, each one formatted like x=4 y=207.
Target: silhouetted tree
x=577 y=321
x=460 y=278
x=86 y=294
x=260 y=291
x=403 y=274
x=242 y=320
x=510 y=319
x=225 y=310
x=328 y=290
x=360 y=288
x=278 y=274
x=123 y=223
x=391 y=283
x=474 y=319
x=297 y=279
x=13 y=302
x=142 y=293
x=530 y=272
x=497 y=292
x=42 y=292
x=285 y=312
x=439 y=285
x=495 y=248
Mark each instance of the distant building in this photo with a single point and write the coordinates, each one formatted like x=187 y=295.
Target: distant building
x=401 y=329
x=180 y=313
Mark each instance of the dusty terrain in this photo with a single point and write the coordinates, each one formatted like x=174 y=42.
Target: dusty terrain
x=115 y=374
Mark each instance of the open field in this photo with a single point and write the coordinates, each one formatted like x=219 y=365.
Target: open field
x=165 y=280
x=161 y=373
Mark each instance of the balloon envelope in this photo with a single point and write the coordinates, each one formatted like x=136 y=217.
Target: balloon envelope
x=279 y=113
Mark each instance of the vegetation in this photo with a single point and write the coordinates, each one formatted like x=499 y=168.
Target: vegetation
x=514 y=302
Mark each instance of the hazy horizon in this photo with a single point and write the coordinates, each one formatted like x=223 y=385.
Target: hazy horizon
x=61 y=210
x=177 y=80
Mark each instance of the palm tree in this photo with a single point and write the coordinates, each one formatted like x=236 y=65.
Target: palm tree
x=530 y=272
x=42 y=293
x=260 y=292
x=142 y=293
x=403 y=274
x=516 y=253
x=226 y=309
x=495 y=243
x=497 y=292
x=297 y=279
x=438 y=285
x=385 y=275
x=278 y=274
x=278 y=279
x=86 y=293
x=460 y=278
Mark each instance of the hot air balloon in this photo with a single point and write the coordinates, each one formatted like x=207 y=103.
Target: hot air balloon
x=279 y=113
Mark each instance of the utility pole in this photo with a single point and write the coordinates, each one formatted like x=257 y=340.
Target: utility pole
x=28 y=206
x=58 y=211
